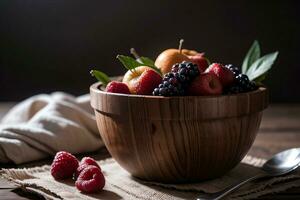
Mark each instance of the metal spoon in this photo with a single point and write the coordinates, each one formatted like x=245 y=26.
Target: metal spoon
x=280 y=164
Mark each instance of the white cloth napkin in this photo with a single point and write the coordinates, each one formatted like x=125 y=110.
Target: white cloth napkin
x=44 y=124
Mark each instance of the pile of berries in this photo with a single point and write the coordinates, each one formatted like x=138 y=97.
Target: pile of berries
x=175 y=83
x=88 y=175
x=178 y=72
x=187 y=78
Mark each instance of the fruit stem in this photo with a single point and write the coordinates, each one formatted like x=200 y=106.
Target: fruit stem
x=134 y=53
x=180 y=45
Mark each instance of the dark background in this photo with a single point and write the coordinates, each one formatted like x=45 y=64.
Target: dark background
x=51 y=45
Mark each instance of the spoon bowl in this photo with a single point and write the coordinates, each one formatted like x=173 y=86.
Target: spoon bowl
x=283 y=162
x=280 y=164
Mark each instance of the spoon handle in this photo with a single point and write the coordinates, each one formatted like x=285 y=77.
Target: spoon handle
x=221 y=194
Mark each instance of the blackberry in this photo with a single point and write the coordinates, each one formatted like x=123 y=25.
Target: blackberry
x=169 y=87
x=234 y=89
x=235 y=70
x=242 y=80
x=251 y=86
x=175 y=68
x=242 y=84
x=175 y=82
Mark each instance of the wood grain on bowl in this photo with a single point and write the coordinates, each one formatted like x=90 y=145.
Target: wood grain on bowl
x=178 y=139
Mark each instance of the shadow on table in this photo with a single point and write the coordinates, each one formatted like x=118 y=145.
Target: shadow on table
x=27 y=194
x=170 y=192
x=103 y=194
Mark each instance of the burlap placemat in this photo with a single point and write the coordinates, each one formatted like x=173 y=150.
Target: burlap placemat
x=120 y=185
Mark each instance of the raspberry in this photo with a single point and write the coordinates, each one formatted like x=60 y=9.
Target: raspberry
x=89 y=161
x=90 y=180
x=117 y=87
x=175 y=83
x=63 y=165
x=84 y=163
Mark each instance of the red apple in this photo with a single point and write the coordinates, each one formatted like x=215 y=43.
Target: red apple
x=142 y=80
x=224 y=74
x=205 y=84
x=200 y=60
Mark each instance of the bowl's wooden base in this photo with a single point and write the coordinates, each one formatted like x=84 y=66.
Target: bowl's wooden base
x=178 y=151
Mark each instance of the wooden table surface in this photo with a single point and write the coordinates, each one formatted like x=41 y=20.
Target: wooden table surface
x=280 y=129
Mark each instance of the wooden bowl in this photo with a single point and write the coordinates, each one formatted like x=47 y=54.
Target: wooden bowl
x=178 y=139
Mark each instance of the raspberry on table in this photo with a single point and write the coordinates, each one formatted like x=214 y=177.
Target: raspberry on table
x=63 y=165
x=90 y=180
x=89 y=161
x=84 y=163
x=175 y=82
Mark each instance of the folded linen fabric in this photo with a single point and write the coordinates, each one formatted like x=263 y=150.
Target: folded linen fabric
x=44 y=124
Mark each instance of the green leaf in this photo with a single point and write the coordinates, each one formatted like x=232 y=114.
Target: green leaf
x=260 y=79
x=261 y=66
x=252 y=55
x=100 y=76
x=146 y=61
x=130 y=63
